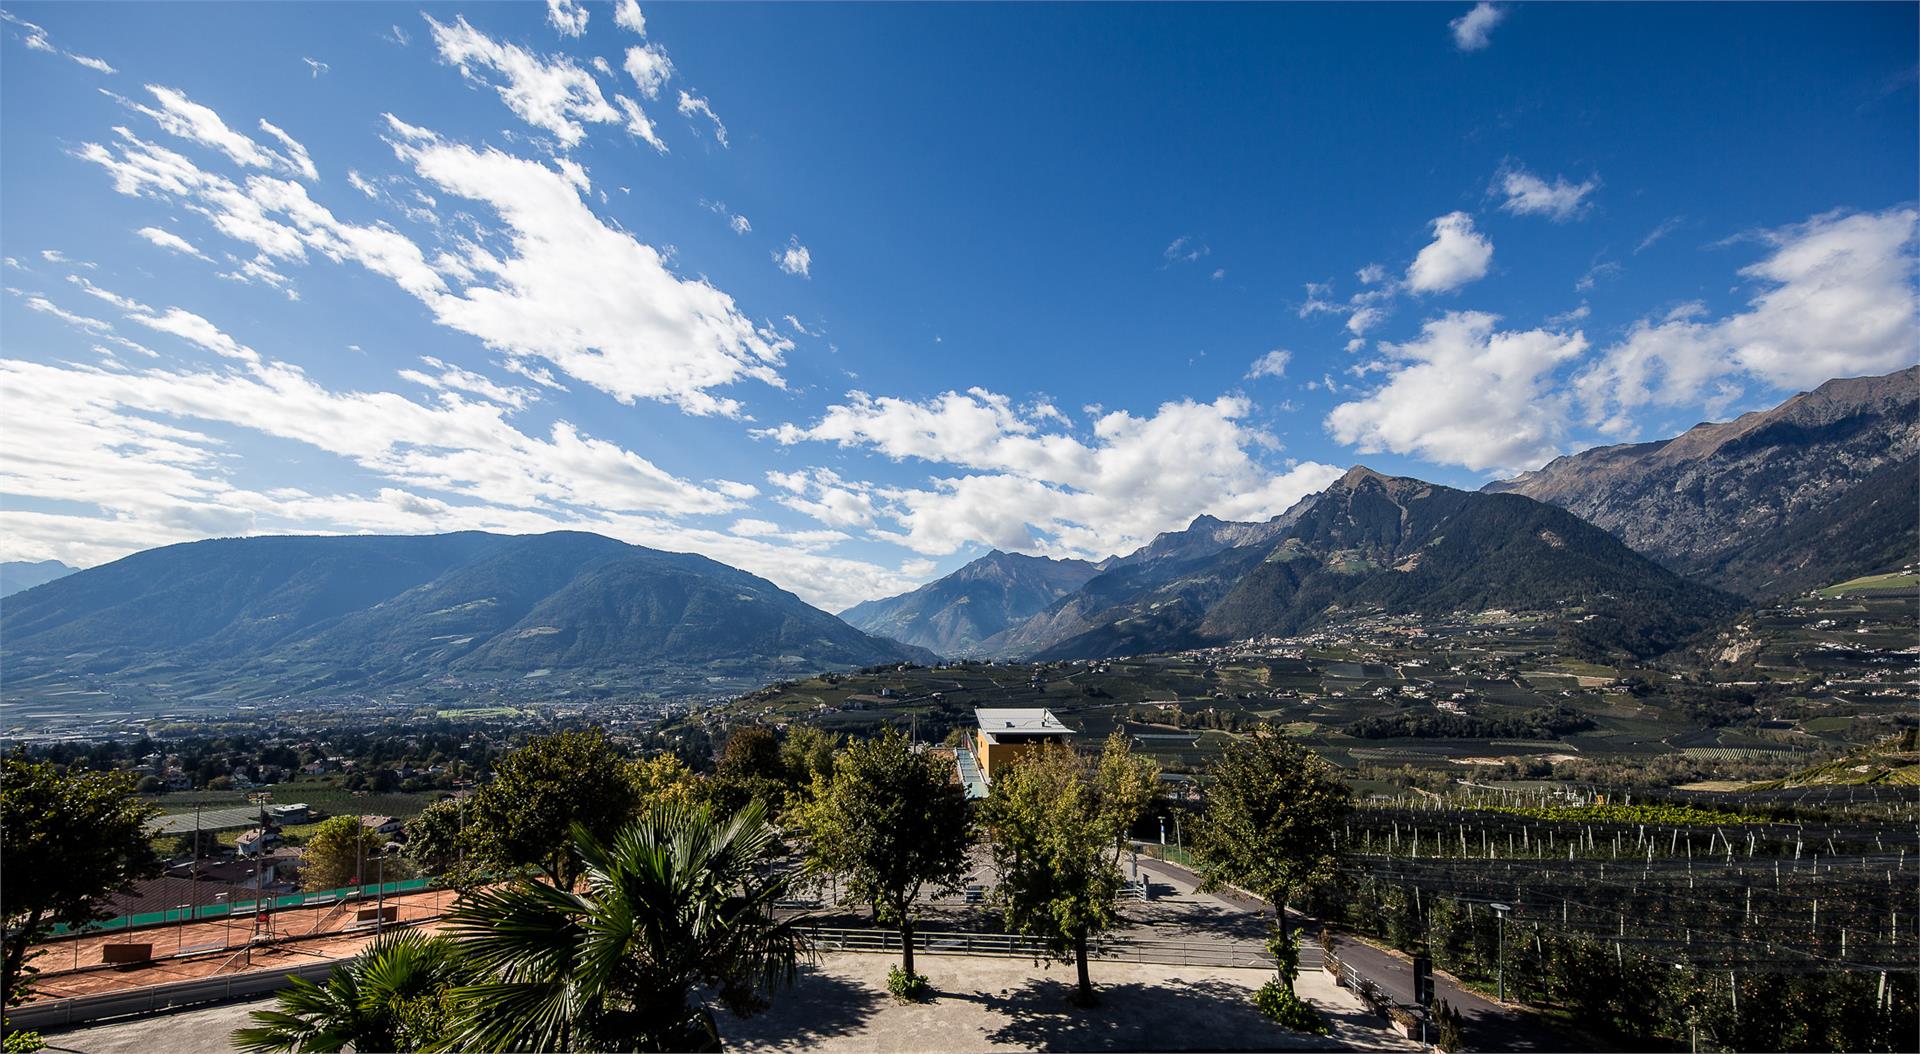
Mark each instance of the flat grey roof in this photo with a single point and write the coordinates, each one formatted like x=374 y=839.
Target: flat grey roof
x=1021 y=722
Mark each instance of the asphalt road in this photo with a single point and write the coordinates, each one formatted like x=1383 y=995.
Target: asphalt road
x=1490 y=1026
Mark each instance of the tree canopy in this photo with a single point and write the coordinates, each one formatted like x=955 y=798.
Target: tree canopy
x=1272 y=813
x=524 y=816
x=892 y=821
x=71 y=839
x=1057 y=823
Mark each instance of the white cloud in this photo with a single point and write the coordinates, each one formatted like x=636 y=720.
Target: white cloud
x=36 y=38
x=627 y=15
x=1473 y=30
x=1372 y=274
x=586 y=297
x=568 y=17
x=694 y=106
x=197 y=330
x=592 y=300
x=297 y=157
x=795 y=258
x=638 y=123
x=1836 y=299
x=1464 y=394
x=1272 y=364
x=1457 y=255
x=316 y=66
x=1033 y=490
x=124 y=303
x=447 y=377
x=1184 y=249
x=182 y=117
x=1529 y=195
x=553 y=93
x=1666 y=227
x=650 y=68
x=739 y=224
x=83 y=322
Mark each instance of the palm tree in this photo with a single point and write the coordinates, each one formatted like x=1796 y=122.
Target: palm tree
x=679 y=901
x=389 y=997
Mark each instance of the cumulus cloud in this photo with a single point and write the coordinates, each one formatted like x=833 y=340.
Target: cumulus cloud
x=1473 y=31
x=1028 y=488
x=795 y=259
x=1457 y=255
x=551 y=93
x=1836 y=299
x=567 y=17
x=627 y=15
x=1529 y=195
x=1272 y=364
x=1463 y=393
x=649 y=67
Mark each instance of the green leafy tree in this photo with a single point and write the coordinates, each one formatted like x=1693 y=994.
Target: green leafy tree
x=342 y=851
x=893 y=822
x=808 y=751
x=69 y=840
x=750 y=769
x=665 y=779
x=1056 y=824
x=1272 y=813
x=396 y=995
x=522 y=818
x=678 y=903
x=436 y=840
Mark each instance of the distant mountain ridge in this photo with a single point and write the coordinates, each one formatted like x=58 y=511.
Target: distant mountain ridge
x=1369 y=543
x=18 y=575
x=1810 y=492
x=289 y=615
x=954 y=614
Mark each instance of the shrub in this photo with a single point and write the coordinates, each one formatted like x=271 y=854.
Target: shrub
x=1278 y=1002
x=21 y=1041
x=908 y=987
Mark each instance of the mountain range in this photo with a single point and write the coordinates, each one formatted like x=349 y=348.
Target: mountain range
x=1372 y=544
x=291 y=615
x=1821 y=488
x=953 y=615
x=16 y=575
x=1624 y=550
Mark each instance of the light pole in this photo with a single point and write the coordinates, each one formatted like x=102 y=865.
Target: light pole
x=226 y=922
x=180 y=931
x=1500 y=984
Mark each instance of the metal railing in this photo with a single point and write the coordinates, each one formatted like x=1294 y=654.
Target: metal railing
x=61 y=1013
x=1241 y=954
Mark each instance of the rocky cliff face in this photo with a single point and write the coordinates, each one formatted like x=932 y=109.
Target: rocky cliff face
x=1766 y=502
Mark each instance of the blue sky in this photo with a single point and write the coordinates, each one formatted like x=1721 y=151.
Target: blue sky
x=845 y=295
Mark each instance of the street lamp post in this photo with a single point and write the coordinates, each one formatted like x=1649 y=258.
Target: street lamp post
x=1500 y=984
x=180 y=931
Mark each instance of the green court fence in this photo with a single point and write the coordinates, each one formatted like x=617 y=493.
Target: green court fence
x=231 y=907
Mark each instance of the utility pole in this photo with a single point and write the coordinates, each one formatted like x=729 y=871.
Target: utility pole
x=1500 y=984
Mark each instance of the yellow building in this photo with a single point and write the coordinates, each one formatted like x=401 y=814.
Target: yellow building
x=1004 y=735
